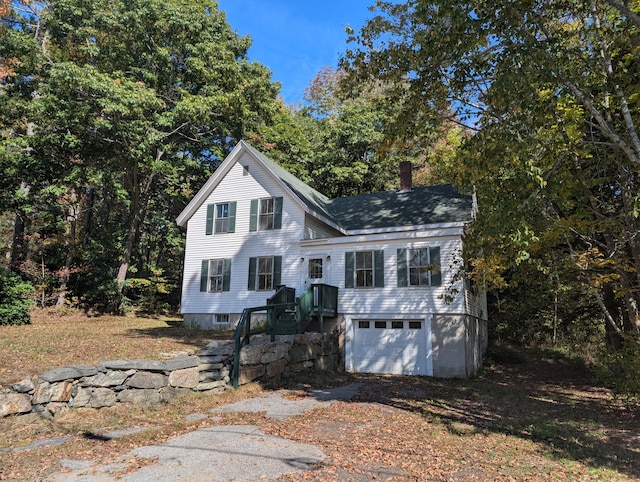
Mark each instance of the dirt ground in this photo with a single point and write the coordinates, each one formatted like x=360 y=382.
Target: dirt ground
x=540 y=419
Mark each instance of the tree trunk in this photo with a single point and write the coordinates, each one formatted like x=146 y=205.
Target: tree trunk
x=88 y=222
x=614 y=337
x=17 y=244
x=72 y=218
x=139 y=201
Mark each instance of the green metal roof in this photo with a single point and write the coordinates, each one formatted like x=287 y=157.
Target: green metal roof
x=315 y=200
x=390 y=209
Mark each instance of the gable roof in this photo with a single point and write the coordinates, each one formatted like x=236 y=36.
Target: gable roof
x=378 y=211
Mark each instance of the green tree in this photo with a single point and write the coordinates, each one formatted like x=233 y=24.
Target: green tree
x=550 y=90
x=14 y=299
x=120 y=111
x=356 y=143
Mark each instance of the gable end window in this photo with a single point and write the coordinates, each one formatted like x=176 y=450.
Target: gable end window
x=265 y=273
x=419 y=266
x=265 y=214
x=221 y=218
x=215 y=275
x=364 y=269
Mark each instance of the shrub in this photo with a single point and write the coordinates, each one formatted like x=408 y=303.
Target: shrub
x=15 y=304
x=620 y=369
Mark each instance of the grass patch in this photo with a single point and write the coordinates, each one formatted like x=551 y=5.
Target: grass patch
x=53 y=341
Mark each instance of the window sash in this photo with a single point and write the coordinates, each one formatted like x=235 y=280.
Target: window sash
x=216 y=275
x=364 y=269
x=420 y=266
x=221 y=318
x=265 y=216
x=265 y=273
x=222 y=218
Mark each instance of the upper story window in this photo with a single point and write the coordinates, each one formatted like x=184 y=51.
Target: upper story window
x=265 y=217
x=215 y=275
x=364 y=269
x=221 y=218
x=419 y=266
x=266 y=214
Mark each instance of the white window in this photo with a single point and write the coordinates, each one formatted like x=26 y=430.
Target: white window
x=265 y=273
x=216 y=275
x=221 y=318
x=265 y=217
x=222 y=218
x=419 y=266
x=364 y=269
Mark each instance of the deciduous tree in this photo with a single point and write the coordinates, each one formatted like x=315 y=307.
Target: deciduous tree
x=550 y=90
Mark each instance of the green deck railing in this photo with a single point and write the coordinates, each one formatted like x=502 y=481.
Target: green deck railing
x=282 y=308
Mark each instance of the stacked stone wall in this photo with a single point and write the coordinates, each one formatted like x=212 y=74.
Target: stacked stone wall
x=152 y=382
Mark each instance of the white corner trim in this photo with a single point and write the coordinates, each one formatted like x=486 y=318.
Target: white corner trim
x=429 y=347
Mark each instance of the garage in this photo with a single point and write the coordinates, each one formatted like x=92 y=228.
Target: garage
x=398 y=347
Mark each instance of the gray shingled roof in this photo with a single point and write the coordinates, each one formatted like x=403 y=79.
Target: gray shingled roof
x=420 y=206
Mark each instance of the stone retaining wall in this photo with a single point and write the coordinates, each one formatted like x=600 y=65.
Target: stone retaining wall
x=151 y=382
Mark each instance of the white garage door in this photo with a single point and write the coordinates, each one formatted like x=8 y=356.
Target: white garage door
x=396 y=347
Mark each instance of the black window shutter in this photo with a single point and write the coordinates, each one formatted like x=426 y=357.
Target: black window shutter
x=277 y=213
x=402 y=267
x=253 y=216
x=232 y=217
x=434 y=260
x=252 y=274
x=277 y=271
x=378 y=269
x=226 y=275
x=349 y=268
x=211 y=208
x=204 y=275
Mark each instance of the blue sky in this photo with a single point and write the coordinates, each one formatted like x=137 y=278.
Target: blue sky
x=296 y=38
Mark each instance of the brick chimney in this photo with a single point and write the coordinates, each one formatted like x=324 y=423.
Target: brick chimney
x=405 y=176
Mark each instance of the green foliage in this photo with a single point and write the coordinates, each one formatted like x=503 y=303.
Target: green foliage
x=549 y=90
x=620 y=369
x=14 y=299
x=150 y=295
x=113 y=115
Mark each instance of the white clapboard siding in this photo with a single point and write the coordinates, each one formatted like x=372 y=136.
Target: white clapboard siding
x=315 y=229
x=241 y=245
x=476 y=303
x=391 y=298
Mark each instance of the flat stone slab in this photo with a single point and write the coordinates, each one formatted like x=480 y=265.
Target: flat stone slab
x=67 y=373
x=74 y=464
x=237 y=452
x=279 y=407
x=49 y=442
x=215 y=454
x=126 y=431
x=151 y=365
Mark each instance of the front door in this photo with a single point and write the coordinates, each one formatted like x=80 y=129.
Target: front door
x=316 y=269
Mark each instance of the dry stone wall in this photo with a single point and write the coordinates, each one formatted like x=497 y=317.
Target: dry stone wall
x=152 y=382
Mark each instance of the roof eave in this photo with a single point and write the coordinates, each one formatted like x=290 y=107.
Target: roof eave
x=398 y=229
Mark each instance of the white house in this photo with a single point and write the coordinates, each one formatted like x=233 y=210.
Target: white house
x=395 y=258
